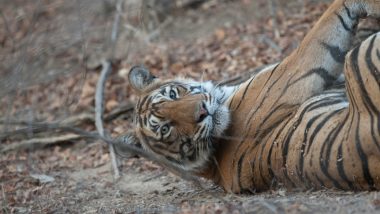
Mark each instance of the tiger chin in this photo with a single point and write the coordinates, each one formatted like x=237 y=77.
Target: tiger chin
x=177 y=119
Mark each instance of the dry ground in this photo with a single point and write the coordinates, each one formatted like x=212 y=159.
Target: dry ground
x=50 y=53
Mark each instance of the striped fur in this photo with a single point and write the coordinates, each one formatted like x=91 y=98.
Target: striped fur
x=291 y=125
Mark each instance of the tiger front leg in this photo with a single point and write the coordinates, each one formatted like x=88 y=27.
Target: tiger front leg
x=318 y=62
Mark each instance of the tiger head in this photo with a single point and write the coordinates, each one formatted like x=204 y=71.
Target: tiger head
x=177 y=119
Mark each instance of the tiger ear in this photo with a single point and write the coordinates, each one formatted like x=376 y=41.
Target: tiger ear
x=139 y=78
x=124 y=142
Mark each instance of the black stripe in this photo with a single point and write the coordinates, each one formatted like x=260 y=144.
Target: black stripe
x=372 y=122
x=244 y=93
x=371 y=66
x=171 y=159
x=321 y=72
x=284 y=105
x=260 y=105
x=324 y=161
x=169 y=143
x=159 y=146
x=353 y=105
x=320 y=181
x=271 y=113
x=330 y=101
x=319 y=128
x=262 y=100
x=340 y=168
x=202 y=129
x=154 y=105
x=261 y=162
x=333 y=94
x=368 y=104
x=367 y=100
x=253 y=113
x=350 y=15
x=344 y=24
x=155 y=113
x=363 y=158
x=232 y=100
x=239 y=168
x=260 y=134
x=267 y=130
x=378 y=82
x=304 y=143
x=194 y=87
x=181 y=86
x=336 y=53
x=196 y=130
x=269 y=159
x=142 y=102
x=289 y=135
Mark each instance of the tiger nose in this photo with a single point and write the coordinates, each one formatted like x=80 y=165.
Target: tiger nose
x=202 y=113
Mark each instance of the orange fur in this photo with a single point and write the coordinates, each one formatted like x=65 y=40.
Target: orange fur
x=289 y=125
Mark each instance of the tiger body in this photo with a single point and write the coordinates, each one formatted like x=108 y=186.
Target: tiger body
x=312 y=145
x=287 y=125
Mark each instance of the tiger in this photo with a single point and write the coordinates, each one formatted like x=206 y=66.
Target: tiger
x=290 y=126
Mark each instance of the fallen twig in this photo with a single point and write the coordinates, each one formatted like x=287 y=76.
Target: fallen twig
x=74 y=120
x=273 y=12
x=99 y=113
x=39 y=142
x=28 y=130
x=123 y=109
x=4 y=201
x=153 y=177
x=271 y=43
x=149 y=37
x=99 y=93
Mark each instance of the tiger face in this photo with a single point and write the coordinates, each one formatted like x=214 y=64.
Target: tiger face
x=177 y=119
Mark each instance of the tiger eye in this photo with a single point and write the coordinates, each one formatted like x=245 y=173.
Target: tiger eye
x=165 y=129
x=185 y=148
x=172 y=95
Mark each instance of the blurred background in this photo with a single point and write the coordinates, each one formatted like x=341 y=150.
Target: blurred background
x=51 y=54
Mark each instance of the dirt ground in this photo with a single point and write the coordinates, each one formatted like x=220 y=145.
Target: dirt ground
x=51 y=52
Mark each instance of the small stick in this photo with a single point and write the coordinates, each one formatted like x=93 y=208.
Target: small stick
x=273 y=12
x=123 y=109
x=99 y=113
x=271 y=43
x=74 y=120
x=5 y=202
x=39 y=142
